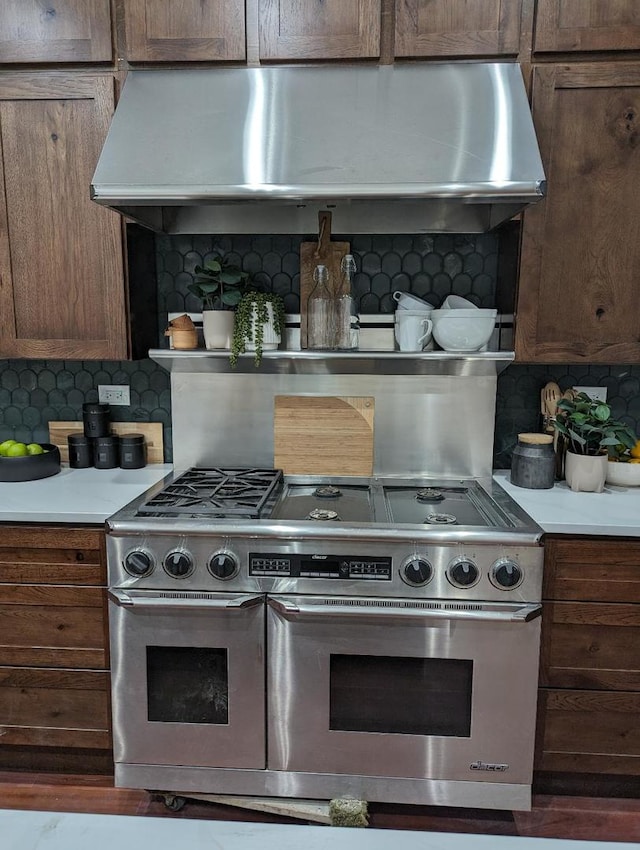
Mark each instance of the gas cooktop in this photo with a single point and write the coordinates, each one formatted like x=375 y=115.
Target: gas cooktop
x=252 y=497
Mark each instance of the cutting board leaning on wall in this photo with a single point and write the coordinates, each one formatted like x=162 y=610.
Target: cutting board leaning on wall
x=323 y=435
x=322 y=252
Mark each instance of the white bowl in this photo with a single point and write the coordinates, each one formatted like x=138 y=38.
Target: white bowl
x=455 y=332
x=456 y=302
x=623 y=474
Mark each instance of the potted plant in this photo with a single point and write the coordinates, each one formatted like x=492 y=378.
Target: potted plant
x=258 y=325
x=591 y=434
x=220 y=285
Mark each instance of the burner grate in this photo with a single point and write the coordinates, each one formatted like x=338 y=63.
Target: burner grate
x=216 y=492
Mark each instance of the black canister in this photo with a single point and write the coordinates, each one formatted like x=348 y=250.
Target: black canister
x=533 y=464
x=80 y=451
x=133 y=453
x=105 y=452
x=96 y=418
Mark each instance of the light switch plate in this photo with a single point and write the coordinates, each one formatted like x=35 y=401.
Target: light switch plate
x=596 y=393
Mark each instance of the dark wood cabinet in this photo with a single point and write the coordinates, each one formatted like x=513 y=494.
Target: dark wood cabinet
x=319 y=29
x=457 y=28
x=586 y=25
x=589 y=699
x=57 y=31
x=62 y=292
x=580 y=254
x=54 y=664
x=188 y=31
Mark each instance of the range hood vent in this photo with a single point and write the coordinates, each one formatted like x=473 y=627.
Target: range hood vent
x=414 y=148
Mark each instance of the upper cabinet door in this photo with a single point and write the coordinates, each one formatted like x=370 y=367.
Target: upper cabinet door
x=457 y=27
x=319 y=29
x=62 y=291
x=55 y=31
x=579 y=283
x=584 y=25
x=184 y=30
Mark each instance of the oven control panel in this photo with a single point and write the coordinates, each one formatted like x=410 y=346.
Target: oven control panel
x=320 y=566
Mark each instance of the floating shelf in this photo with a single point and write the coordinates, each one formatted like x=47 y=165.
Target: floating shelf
x=337 y=362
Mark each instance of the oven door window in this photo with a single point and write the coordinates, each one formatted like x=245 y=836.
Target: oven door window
x=403 y=696
x=187 y=684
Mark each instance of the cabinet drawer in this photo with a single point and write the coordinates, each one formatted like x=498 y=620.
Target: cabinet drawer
x=600 y=570
x=588 y=732
x=46 y=555
x=54 y=708
x=53 y=626
x=591 y=645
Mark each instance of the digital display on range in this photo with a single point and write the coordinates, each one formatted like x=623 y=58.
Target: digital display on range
x=320 y=566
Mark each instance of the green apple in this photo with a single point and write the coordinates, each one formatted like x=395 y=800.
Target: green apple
x=35 y=449
x=17 y=450
x=4 y=446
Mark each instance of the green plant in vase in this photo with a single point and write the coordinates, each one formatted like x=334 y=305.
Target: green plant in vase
x=589 y=428
x=219 y=283
x=258 y=325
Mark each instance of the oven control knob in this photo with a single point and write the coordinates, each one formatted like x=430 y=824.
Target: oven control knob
x=139 y=563
x=506 y=574
x=179 y=564
x=223 y=565
x=463 y=573
x=416 y=572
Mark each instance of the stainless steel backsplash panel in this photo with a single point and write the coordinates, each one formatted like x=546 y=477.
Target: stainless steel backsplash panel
x=439 y=425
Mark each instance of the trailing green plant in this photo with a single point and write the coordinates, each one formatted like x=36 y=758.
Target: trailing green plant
x=219 y=283
x=589 y=428
x=251 y=314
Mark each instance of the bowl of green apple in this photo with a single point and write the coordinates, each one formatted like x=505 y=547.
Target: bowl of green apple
x=28 y=461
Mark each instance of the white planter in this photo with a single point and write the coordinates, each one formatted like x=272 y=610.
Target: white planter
x=270 y=339
x=217 y=326
x=585 y=473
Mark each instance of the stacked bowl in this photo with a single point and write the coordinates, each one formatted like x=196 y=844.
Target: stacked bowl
x=461 y=326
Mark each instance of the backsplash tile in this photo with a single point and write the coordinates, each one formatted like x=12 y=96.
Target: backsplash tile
x=431 y=266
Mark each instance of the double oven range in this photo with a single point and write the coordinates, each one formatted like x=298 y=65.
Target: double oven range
x=321 y=636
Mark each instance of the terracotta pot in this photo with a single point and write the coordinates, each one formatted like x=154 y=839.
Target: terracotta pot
x=585 y=473
x=217 y=326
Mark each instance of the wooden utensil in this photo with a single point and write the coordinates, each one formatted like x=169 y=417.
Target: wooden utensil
x=321 y=252
x=552 y=395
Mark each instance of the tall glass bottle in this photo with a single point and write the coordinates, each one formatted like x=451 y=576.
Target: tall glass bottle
x=320 y=312
x=344 y=305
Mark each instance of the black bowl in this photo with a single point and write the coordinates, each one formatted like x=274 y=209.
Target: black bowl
x=31 y=467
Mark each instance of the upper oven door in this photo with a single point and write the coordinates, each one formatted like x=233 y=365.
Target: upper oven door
x=188 y=678
x=384 y=687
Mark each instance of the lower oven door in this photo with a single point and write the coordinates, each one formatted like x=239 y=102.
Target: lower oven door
x=188 y=678
x=383 y=687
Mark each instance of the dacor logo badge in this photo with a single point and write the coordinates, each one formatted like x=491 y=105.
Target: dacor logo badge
x=484 y=765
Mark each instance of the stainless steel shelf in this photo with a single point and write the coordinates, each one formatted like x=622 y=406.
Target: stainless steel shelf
x=337 y=362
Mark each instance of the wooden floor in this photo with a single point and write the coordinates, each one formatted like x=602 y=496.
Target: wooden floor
x=552 y=817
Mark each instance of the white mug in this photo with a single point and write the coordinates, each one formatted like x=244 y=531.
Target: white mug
x=406 y=301
x=412 y=330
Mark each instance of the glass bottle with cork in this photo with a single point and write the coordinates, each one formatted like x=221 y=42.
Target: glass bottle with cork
x=321 y=323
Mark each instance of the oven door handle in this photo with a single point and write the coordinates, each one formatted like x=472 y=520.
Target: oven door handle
x=512 y=614
x=146 y=600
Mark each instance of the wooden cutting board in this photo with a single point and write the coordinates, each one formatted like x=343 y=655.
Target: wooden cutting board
x=323 y=435
x=152 y=431
x=320 y=252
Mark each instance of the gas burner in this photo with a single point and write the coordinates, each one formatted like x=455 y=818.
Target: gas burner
x=441 y=519
x=322 y=514
x=327 y=491
x=429 y=494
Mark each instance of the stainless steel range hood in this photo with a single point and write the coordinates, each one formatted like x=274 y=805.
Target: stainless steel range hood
x=414 y=148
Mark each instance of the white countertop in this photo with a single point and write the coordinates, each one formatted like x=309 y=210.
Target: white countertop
x=24 y=830
x=76 y=495
x=615 y=511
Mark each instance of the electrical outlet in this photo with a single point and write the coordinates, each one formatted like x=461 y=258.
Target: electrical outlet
x=596 y=393
x=114 y=394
